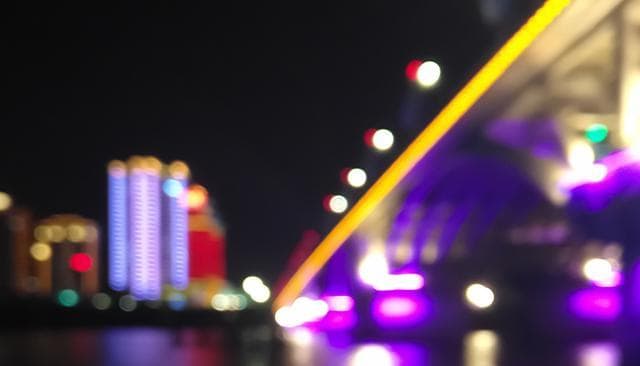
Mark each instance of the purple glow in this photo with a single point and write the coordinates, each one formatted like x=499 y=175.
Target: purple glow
x=399 y=281
x=596 y=303
x=146 y=281
x=118 y=253
x=399 y=309
x=339 y=302
x=178 y=237
x=339 y=320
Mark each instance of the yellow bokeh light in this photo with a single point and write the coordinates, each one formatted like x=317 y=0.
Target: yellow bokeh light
x=178 y=170
x=76 y=233
x=5 y=201
x=40 y=251
x=43 y=233
x=58 y=233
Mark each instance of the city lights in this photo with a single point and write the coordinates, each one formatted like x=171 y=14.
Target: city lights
x=428 y=74
x=256 y=289
x=601 y=272
x=40 y=251
x=336 y=203
x=5 y=201
x=68 y=298
x=356 y=177
x=479 y=296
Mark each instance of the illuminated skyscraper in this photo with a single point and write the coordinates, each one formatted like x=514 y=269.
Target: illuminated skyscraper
x=148 y=242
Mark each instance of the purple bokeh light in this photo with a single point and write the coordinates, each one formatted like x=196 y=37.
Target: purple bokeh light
x=400 y=309
x=596 y=303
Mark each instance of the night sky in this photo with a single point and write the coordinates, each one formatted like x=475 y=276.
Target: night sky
x=265 y=101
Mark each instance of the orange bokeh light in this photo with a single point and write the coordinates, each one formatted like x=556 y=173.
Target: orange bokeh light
x=197 y=197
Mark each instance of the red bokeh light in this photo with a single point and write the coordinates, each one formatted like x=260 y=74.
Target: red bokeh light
x=368 y=136
x=80 y=262
x=343 y=175
x=325 y=202
x=412 y=69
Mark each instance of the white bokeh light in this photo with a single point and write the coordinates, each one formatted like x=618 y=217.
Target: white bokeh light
x=382 y=139
x=479 y=296
x=338 y=204
x=356 y=177
x=428 y=74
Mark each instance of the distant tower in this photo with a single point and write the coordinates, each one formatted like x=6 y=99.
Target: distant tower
x=148 y=244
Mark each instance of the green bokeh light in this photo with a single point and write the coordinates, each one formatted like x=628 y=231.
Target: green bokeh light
x=68 y=298
x=597 y=133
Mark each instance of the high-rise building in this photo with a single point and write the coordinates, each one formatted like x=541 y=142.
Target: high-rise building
x=148 y=240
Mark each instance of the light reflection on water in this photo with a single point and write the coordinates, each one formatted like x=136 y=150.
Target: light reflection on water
x=478 y=348
x=255 y=347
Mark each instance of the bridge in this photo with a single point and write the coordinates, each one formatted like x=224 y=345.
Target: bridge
x=515 y=208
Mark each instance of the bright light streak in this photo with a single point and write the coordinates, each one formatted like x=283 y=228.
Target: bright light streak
x=599 y=354
x=382 y=139
x=338 y=204
x=40 y=251
x=373 y=268
x=5 y=201
x=479 y=296
x=399 y=281
x=601 y=272
x=421 y=146
x=428 y=74
x=356 y=177
x=178 y=232
x=118 y=227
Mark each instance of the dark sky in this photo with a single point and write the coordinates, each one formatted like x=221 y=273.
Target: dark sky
x=266 y=101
